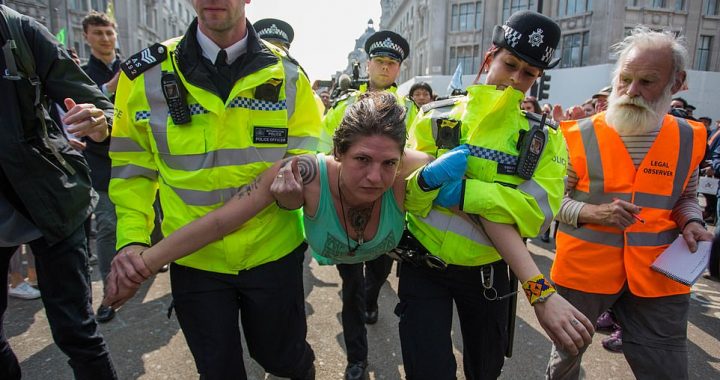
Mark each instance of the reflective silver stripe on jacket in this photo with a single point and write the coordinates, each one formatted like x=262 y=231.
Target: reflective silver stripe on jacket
x=223 y=157
x=158 y=108
x=124 y=144
x=536 y=191
x=130 y=171
x=618 y=240
x=292 y=75
x=457 y=225
x=596 y=176
x=204 y=198
x=303 y=143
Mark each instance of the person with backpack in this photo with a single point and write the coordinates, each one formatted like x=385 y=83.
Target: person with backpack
x=45 y=190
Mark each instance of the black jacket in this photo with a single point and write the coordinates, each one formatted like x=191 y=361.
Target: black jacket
x=96 y=153
x=56 y=197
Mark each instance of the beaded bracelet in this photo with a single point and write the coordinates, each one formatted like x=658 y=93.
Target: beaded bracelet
x=538 y=289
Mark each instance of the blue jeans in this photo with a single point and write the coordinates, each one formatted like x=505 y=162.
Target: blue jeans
x=64 y=282
x=105 y=238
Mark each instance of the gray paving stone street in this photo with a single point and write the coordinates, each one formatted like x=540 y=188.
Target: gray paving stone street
x=145 y=344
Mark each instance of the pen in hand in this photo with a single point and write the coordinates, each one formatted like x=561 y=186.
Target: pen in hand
x=639 y=219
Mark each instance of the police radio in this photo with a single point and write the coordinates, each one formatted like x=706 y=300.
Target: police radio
x=530 y=148
x=175 y=97
x=448 y=133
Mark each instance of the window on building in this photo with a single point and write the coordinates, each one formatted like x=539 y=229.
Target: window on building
x=76 y=5
x=575 y=49
x=572 y=7
x=658 y=3
x=679 y=5
x=468 y=56
x=710 y=8
x=99 y=5
x=632 y=3
x=512 y=6
x=478 y=15
x=466 y=16
x=702 y=57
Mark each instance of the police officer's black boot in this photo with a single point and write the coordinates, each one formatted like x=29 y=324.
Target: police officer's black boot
x=356 y=371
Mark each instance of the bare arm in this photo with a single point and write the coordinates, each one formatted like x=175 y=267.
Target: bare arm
x=130 y=268
x=556 y=315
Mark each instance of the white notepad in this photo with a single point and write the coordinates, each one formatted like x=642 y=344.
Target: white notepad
x=681 y=265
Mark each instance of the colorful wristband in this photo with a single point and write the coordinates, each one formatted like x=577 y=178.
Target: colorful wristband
x=538 y=289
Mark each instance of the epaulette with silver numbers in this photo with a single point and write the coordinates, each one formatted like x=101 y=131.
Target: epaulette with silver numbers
x=144 y=60
x=537 y=118
x=440 y=103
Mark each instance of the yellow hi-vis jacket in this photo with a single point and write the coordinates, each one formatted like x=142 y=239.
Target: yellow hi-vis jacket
x=490 y=122
x=334 y=116
x=199 y=166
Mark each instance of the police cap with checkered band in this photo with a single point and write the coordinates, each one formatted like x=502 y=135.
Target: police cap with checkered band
x=387 y=44
x=531 y=36
x=271 y=30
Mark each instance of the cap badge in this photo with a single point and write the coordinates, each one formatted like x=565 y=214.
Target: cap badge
x=512 y=36
x=536 y=38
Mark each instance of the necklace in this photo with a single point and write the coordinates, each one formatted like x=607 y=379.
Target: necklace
x=359 y=220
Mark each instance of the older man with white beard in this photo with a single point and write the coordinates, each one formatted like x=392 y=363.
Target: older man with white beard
x=631 y=191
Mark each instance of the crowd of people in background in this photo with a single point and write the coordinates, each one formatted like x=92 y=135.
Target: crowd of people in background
x=418 y=176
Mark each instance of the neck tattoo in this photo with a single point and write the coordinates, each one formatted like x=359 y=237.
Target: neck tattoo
x=359 y=218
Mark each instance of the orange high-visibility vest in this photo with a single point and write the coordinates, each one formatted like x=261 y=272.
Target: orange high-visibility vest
x=600 y=259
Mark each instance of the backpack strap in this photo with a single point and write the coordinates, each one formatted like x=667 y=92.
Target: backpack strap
x=17 y=55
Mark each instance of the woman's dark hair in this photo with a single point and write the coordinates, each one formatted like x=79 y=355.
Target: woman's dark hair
x=420 y=85
x=373 y=114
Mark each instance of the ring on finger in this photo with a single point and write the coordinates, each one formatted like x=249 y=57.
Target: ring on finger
x=574 y=322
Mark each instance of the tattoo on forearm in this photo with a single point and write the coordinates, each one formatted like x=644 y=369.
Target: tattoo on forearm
x=246 y=190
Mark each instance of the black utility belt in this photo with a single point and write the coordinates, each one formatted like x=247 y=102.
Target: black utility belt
x=411 y=251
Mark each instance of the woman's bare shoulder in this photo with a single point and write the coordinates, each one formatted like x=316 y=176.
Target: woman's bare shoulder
x=412 y=160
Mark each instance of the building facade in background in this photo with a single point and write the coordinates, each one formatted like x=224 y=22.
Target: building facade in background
x=140 y=23
x=445 y=33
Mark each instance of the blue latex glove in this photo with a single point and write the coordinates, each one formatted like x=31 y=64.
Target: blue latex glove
x=449 y=194
x=449 y=166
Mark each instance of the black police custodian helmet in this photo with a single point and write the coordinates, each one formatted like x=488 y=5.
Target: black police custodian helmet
x=273 y=29
x=387 y=44
x=531 y=36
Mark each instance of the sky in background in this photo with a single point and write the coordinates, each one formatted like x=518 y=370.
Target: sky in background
x=325 y=30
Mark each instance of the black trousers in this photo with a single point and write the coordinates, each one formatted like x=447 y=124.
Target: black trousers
x=64 y=281
x=361 y=285
x=426 y=311
x=269 y=301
